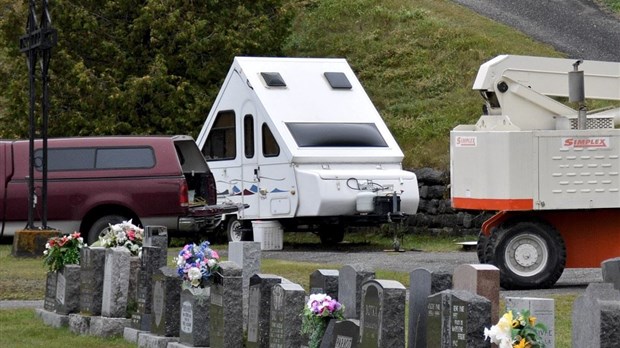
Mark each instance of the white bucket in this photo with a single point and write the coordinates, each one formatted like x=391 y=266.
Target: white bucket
x=269 y=234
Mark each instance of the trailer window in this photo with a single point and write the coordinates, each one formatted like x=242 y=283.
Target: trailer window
x=248 y=136
x=270 y=145
x=222 y=142
x=336 y=135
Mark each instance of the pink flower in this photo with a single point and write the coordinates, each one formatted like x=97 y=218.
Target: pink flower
x=131 y=235
x=214 y=254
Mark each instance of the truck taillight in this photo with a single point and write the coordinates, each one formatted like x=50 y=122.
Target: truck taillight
x=211 y=189
x=183 y=196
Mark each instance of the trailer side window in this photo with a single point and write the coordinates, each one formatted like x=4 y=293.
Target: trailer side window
x=270 y=145
x=248 y=136
x=222 y=142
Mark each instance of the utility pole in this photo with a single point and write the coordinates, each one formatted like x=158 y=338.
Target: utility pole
x=38 y=41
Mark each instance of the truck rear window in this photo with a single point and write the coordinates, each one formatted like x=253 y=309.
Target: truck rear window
x=96 y=158
x=336 y=135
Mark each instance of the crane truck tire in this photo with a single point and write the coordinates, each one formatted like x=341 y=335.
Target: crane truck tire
x=481 y=248
x=529 y=255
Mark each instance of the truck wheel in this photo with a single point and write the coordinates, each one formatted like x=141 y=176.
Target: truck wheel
x=529 y=255
x=234 y=229
x=102 y=225
x=331 y=234
x=481 y=246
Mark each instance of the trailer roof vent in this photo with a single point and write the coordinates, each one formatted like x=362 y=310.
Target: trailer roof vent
x=338 y=80
x=273 y=79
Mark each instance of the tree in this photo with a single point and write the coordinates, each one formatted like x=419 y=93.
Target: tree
x=135 y=66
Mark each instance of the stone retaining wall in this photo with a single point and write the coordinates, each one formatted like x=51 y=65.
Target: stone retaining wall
x=435 y=213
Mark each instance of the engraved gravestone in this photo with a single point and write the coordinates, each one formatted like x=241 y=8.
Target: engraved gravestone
x=115 y=283
x=350 y=280
x=341 y=334
x=150 y=261
x=382 y=321
x=259 y=308
x=157 y=236
x=49 y=304
x=423 y=284
x=287 y=302
x=248 y=256
x=543 y=309
x=226 y=319
x=457 y=318
x=195 y=306
x=595 y=317
x=166 y=298
x=68 y=289
x=92 y=263
x=324 y=281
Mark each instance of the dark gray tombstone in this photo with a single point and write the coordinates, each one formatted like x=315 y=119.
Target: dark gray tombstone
x=456 y=319
x=259 y=307
x=611 y=272
x=150 y=262
x=543 y=309
x=423 y=284
x=132 y=290
x=92 y=264
x=165 y=316
x=324 y=281
x=350 y=280
x=226 y=319
x=49 y=303
x=287 y=303
x=157 y=236
x=68 y=289
x=248 y=256
x=195 y=307
x=382 y=321
x=341 y=334
x=115 y=283
x=595 y=317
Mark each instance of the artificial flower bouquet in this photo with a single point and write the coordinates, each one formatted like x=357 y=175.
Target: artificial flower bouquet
x=196 y=263
x=63 y=250
x=516 y=330
x=125 y=234
x=319 y=309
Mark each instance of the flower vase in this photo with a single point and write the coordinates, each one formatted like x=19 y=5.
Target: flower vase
x=194 y=320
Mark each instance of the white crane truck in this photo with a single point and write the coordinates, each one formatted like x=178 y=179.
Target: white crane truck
x=550 y=170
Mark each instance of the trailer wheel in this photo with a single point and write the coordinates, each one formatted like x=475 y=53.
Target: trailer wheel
x=331 y=234
x=234 y=229
x=529 y=255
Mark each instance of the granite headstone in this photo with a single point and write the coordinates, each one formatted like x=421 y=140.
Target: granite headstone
x=341 y=334
x=68 y=289
x=92 y=263
x=195 y=307
x=165 y=316
x=49 y=303
x=480 y=279
x=382 y=321
x=287 y=302
x=596 y=314
x=611 y=271
x=324 y=281
x=248 y=256
x=456 y=319
x=350 y=280
x=150 y=261
x=115 y=282
x=423 y=284
x=259 y=308
x=226 y=319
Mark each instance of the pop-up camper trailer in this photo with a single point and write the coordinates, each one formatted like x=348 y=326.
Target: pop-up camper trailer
x=300 y=142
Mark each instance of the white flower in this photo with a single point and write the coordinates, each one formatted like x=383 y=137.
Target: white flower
x=211 y=263
x=81 y=240
x=194 y=276
x=180 y=261
x=45 y=252
x=47 y=245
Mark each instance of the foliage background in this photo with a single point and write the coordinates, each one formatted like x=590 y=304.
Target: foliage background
x=155 y=66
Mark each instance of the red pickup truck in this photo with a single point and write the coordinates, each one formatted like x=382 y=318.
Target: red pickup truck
x=97 y=181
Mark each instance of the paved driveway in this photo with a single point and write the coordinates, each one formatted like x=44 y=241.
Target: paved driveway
x=578 y=28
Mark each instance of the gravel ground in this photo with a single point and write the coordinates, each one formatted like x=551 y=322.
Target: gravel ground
x=579 y=28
